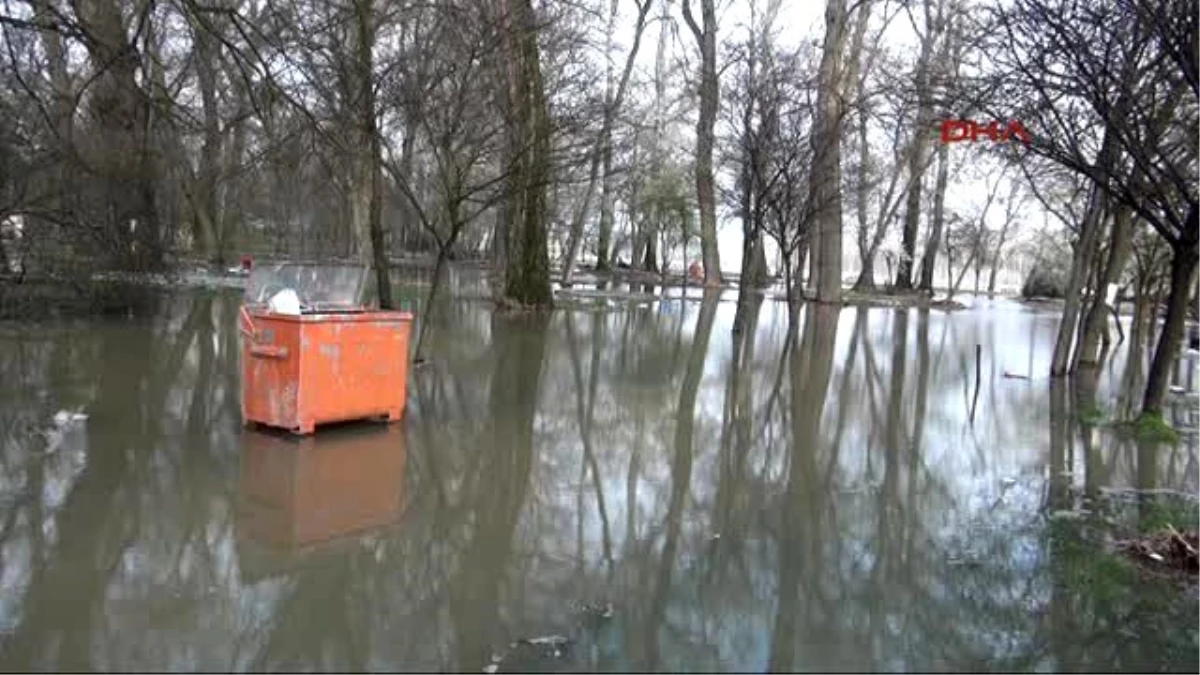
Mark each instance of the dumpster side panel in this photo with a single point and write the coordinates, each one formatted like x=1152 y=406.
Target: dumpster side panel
x=354 y=367
x=271 y=373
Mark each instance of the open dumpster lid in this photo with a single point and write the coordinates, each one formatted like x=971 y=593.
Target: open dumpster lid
x=321 y=287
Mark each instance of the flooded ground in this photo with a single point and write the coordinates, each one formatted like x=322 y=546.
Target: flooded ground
x=616 y=474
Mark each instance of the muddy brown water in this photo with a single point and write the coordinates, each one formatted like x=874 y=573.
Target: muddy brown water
x=842 y=509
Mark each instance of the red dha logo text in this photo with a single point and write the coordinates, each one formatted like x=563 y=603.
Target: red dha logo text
x=963 y=130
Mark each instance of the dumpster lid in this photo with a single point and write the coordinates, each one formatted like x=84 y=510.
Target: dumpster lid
x=322 y=287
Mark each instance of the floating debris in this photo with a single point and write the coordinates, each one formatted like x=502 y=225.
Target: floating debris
x=1167 y=550
x=1015 y=376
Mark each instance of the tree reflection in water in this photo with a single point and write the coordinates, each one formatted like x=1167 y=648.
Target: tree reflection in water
x=833 y=510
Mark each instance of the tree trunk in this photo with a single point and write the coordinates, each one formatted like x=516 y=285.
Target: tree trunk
x=204 y=202
x=122 y=109
x=929 y=259
x=706 y=199
x=866 y=275
x=961 y=273
x=365 y=191
x=825 y=194
x=527 y=268
x=62 y=109
x=607 y=197
x=1081 y=263
x=230 y=214
x=991 y=285
x=916 y=159
x=1119 y=247
x=856 y=84
x=1183 y=272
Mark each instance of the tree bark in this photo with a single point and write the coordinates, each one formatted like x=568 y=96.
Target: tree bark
x=365 y=192
x=825 y=194
x=527 y=264
x=1183 y=273
x=991 y=285
x=1081 y=262
x=204 y=202
x=866 y=275
x=706 y=38
x=916 y=159
x=1120 y=242
x=936 y=228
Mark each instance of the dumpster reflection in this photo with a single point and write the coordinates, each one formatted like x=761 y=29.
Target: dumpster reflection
x=296 y=493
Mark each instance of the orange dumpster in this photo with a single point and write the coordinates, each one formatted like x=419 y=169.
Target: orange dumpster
x=314 y=351
x=296 y=493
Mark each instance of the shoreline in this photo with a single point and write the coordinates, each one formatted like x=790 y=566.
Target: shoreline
x=105 y=292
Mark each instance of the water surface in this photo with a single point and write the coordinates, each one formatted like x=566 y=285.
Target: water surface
x=856 y=506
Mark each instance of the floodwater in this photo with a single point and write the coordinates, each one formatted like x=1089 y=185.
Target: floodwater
x=857 y=506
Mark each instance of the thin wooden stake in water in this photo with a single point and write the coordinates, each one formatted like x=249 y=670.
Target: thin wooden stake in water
x=975 y=399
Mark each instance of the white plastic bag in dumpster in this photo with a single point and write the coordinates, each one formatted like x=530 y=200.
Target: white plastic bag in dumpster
x=285 y=302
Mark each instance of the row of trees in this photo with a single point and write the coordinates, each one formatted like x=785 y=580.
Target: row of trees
x=316 y=128
x=140 y=128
